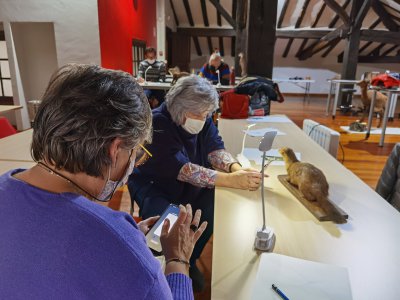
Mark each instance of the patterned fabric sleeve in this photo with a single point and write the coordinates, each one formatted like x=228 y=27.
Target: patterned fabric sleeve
x=221 y=160
x=197 y=175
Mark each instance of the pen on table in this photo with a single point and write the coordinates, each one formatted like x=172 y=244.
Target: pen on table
x=279 y=292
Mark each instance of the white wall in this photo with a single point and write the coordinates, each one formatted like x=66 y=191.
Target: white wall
x=36 y=53
x=76 y=35
x=76 y=25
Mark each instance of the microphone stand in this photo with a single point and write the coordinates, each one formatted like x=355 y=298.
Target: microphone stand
x=243 y=160
x=265 y=237
x=145 y=75
x=219 y=79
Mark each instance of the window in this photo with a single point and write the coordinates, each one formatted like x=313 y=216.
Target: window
x=138 y=48
x=5 y=77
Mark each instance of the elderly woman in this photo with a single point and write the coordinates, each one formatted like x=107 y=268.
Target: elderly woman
x=58 y=244
x=189 y=160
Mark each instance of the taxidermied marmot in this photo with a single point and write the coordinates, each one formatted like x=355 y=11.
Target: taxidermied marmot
x=311 y=182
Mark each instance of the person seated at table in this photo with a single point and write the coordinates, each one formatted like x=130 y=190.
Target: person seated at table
x=389 y=182
x=209 y=70
x=189 y=160
x=152 y=70
x=56 y=242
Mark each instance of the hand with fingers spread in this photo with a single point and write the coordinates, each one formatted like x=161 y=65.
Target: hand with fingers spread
x=179 y=241
x=146 y=225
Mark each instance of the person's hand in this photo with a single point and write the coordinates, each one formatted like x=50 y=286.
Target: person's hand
x=180 y=240
x=140 y=80
x=146 y=225
x=247 y=179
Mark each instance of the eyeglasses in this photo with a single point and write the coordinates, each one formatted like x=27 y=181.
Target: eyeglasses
x=142 y=155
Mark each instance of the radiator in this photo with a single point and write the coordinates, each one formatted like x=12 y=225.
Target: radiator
x=323 y=136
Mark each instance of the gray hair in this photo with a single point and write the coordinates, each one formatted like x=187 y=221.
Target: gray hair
x=191 y=94
x=83 y=110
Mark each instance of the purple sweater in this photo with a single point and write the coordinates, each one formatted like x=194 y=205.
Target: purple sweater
x=63 y=246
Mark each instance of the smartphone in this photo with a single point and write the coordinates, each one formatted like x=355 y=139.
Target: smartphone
x=153 y=236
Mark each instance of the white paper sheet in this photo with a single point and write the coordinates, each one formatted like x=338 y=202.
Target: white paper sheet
x=262 y=131
x=269 y=119
x=300 y=279
x=253 y=154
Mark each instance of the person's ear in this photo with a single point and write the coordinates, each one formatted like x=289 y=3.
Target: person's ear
x=113 y=150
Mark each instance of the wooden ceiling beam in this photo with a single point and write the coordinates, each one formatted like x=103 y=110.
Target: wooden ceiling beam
x=210 y=46
x=224 y=13
x=283 y=13
x=301 y=34
x=338 y=10
x=219 y=21
x=221 y=45
x=174 y=12
x=380 y=36
x=386 y=18
x=332 y=24
x=188 y=12
x=389 y=50
x=362 y=13
x=376 y=51
x=233 y=39
x=212 y=32
x=330 y=48
x=302 y=14
x=287 y=49
x=204 y=13
x=318 y=17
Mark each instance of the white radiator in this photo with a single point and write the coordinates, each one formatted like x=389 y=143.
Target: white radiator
x=323 y=136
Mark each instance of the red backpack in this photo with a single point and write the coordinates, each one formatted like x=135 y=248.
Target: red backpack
x=234 y=106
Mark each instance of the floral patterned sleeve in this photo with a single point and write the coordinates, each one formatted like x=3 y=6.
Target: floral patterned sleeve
x=221 y=160
x=197 y=175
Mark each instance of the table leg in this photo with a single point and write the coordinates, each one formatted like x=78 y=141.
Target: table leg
x=371 y=114
x=393 y=107
x=308 y=85
x=385 y=119
x=328 y=101
x=336 y=100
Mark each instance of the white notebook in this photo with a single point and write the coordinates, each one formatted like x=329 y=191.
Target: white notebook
x=300 y=279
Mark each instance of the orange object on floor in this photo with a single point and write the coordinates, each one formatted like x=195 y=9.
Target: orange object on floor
x=6 y=128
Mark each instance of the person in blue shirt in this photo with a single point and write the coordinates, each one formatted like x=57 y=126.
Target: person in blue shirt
x=189 y=160
x=214 y=66
x=56 y=241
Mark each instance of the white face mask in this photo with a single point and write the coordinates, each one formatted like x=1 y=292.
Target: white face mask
x=110 y=186
x=151 y=61
x=193 y=126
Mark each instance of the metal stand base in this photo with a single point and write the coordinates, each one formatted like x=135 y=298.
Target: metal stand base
x=265 y=240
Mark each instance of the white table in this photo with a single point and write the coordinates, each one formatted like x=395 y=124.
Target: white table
x=368 y=245
x=166 y=86
x=17 y=147
x=7 y=108
x=335 y=85
x=390 y=107
x=298 y=82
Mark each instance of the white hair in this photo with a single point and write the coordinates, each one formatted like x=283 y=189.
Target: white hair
x=191 y=94
x=214 y=56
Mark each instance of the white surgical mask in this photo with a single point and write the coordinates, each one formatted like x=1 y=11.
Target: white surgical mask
x=151 y=61
x=193 y=126
x=111 y=186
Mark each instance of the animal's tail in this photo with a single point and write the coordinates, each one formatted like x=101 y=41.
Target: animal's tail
x=332 y=211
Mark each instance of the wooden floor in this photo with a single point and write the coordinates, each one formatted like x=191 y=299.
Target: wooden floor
x=363 y=157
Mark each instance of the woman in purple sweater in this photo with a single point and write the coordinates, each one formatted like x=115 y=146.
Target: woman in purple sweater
x=57 y=244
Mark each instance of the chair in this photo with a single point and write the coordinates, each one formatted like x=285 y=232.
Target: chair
x=323 y=136
x=6 y=128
